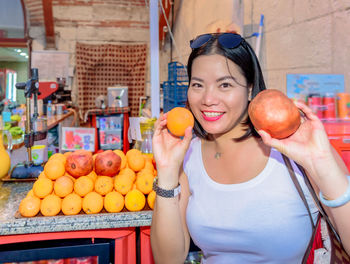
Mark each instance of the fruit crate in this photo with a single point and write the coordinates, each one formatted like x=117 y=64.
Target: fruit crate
x=170 y=104
x=174 y=94
x=177 y=72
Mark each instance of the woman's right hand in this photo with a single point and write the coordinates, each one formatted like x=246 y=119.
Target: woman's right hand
x=168 y=150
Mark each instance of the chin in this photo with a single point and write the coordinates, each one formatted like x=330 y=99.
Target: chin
x=214 y=131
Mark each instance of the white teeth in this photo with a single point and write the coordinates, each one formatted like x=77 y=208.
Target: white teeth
x=212 y=114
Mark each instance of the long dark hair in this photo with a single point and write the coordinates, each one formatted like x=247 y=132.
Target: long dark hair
x=244 y=56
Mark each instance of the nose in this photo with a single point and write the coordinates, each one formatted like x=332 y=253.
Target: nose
x=210 y=96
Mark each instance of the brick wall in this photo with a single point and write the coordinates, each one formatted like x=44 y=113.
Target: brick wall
x=90 y=21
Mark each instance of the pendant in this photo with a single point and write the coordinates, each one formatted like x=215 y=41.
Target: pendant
x=217 y=155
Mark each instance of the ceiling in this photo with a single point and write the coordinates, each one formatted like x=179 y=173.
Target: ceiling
x=13 y=54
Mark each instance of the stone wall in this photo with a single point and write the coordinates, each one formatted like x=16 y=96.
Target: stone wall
x=299 y=36
x=302 y=36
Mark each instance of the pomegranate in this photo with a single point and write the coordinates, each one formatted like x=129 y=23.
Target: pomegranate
x=79 y=163
x=272 y=111
x=107 y=163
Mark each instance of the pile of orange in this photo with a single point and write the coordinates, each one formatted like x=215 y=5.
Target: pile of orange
x=56 y=191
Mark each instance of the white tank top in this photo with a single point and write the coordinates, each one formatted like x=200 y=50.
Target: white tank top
x=262 y=220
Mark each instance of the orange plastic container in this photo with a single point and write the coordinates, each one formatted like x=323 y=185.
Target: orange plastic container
x=342 y=105
x=145 y=244
x=339 y=136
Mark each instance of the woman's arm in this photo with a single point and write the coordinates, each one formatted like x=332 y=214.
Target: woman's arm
x=169 y=234
x=170 y=239
x=333 y=184
x=309 y=146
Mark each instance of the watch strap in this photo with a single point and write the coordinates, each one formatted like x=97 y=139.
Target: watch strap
x=166 y=193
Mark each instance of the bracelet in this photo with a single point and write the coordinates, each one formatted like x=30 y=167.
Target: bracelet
x=165 y=193
x=339 y=201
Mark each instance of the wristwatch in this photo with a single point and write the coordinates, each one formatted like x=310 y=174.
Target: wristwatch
x=165 y=193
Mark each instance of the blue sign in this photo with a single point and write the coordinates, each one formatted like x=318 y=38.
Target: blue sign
x=314 y=83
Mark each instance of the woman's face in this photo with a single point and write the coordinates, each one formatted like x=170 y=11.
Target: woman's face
x=218 y=94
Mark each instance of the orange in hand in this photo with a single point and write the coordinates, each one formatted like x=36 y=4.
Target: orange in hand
x=179 y=118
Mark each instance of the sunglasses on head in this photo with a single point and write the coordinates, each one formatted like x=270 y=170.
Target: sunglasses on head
x=226 y=40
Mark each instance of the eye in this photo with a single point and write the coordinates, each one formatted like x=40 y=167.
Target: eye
x=196 y=85
x=226 y=85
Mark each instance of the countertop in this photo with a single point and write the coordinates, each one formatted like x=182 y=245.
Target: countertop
x=11 y=223
x=54 y=120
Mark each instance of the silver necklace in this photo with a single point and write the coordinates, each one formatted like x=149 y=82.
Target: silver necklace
x=217 y=155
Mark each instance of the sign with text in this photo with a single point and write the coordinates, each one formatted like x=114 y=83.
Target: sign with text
x=314 y=83
x=74 y=138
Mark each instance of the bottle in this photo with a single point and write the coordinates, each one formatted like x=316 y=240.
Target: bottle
x=6 y=113
x=146 y=145
x=49 y=109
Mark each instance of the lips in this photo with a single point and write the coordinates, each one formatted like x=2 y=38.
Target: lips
x=212 y=116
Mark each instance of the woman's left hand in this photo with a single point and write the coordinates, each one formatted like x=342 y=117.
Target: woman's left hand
x=308 y=146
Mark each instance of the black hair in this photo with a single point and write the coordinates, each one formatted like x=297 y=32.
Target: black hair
x=244 y=56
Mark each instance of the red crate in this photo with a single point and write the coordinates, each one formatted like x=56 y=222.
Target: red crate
x=145 y=244
x=339 y=136
x=339 y=127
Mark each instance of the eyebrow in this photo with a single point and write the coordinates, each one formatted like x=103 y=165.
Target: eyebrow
x=218 y=80
x=225 y=78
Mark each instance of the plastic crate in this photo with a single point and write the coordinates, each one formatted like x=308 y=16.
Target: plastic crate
x=174 y=94
x=176 y=91
x=177 y=72
x=170 y=104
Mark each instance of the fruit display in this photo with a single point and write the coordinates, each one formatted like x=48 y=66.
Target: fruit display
x=79 y=182
x=272 y=111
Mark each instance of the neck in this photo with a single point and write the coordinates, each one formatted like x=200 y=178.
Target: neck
x=223 y=147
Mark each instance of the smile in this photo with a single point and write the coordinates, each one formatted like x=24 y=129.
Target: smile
x=212 y=116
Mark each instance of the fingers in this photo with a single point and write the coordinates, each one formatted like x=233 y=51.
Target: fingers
x=306 y=110
x=272 y=142
x=188 y=135
x=160 y=124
